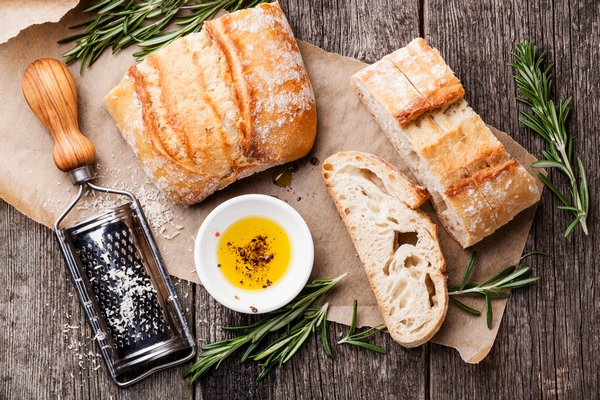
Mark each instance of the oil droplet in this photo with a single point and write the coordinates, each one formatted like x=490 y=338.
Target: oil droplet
x=314 y=161
x=282 y=175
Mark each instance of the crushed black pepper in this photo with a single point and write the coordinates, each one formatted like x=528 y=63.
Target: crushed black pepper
x=254 y=257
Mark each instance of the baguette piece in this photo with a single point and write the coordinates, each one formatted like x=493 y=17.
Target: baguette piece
x=396 y=242
x=217 y=106
x=475 y=185
x=425 y=68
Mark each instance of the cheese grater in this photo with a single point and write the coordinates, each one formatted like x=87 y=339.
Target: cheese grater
x=115 y=264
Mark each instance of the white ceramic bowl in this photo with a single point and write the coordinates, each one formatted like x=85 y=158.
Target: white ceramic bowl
x=285 y=288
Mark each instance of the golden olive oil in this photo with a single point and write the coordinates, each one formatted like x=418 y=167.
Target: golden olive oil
x=253 y=253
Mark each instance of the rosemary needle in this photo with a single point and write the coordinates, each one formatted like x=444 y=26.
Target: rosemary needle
x=496 y=287
x=549 y=121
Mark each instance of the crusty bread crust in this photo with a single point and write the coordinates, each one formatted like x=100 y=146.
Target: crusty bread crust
x=219 y=105
x=396 y=242
x=475 y=185
x=438 y=84
x=393 y=91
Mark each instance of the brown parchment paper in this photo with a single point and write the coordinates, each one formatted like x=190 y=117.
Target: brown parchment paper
x=16 y=15
x=30 y=181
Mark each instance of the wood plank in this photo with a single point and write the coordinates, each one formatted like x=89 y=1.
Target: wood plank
x=363 y=30
x=548 y=334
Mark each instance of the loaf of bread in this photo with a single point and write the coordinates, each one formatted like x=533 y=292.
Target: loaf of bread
x=475 y=185
x=219 y=105
x=396 y=242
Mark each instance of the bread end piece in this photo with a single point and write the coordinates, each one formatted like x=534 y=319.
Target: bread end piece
x=396 y=242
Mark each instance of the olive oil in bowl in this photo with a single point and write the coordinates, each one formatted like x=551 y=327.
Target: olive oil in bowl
x=253 y=253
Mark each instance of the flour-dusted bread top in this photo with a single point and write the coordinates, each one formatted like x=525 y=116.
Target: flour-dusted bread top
x=475 y=185
x=219 y=105
x=393 y=90
x=270 y=80
x=396 y=242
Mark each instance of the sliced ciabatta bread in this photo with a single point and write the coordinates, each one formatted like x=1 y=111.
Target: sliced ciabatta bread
x=475 y=185
x=396 y=242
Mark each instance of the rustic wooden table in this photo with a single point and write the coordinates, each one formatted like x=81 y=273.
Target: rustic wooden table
x=548 y=345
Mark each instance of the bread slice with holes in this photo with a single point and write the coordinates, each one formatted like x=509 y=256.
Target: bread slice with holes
x=396 y=242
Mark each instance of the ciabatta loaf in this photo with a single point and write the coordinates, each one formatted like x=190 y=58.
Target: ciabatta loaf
x=475 y=185
x=219 y=105
x=396 y=242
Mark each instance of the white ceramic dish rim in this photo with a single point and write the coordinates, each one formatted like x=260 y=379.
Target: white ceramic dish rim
x=282 y=291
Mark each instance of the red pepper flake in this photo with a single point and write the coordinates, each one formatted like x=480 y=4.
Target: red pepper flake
x=217 y=234
x=236 y=297
x=254 y=309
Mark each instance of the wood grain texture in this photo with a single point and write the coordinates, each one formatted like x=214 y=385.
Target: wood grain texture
x=548 y=336
x=548 y=345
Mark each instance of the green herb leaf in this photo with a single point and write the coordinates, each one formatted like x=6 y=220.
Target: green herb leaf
x=464 y=306
x=488 y=311
x=468 y=270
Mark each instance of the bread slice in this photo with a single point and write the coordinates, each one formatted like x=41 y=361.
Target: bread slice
x=475 y=185
x=396 y=242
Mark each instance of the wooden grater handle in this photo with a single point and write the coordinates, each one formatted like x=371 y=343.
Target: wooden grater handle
x=50 y=92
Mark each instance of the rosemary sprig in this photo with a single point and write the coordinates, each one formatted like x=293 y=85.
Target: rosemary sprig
x=120 y=23
x=496 y=287
x=281 y=350
x=356 y=339
x=549 y=122
x=298 y=315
